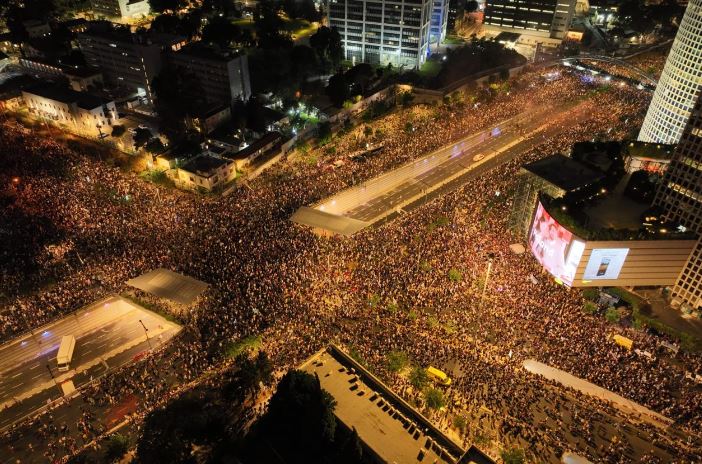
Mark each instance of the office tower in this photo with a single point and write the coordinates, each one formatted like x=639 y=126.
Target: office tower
x=680 y=198
x=383 y=32
x=439 y=19
x=679 y=83
x=223 y=75
x=546 y=18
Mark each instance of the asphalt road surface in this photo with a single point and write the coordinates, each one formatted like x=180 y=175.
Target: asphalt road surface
x=500 y=143
x=108 y=335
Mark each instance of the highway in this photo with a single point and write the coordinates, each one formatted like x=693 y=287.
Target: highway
x=408 y=183
x=108 y=335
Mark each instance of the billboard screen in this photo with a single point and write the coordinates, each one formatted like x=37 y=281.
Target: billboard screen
x=605 y=263
x=555 y=247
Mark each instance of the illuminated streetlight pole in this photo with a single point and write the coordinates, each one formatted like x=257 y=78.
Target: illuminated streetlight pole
x=491 y=256
x=146 y=331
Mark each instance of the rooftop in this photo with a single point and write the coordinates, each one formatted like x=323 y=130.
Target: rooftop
x=65 y=95
x=261 y=142
x=564 y=172
x=204 y=51
x=387 y=425
x=204 y=166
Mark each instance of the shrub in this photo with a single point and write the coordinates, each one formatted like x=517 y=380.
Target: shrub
x=460 y=423
x=612 y=315
x=589 y=307
x=418 y=378
x=434 y=398
x=397 y=360
x=455 y=275
x=591 y=294
x=412 y=315
x=117 y=446
x=513 y=456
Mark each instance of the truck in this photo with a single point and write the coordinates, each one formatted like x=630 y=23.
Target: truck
x=438 y=376
x=65 y=352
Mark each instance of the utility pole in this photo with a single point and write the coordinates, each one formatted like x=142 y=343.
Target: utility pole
x=146 y=331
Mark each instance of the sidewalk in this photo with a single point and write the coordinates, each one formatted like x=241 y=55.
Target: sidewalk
x=663 y=312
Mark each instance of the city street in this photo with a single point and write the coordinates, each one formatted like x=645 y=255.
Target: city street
x=108 y=334
x=384 y=195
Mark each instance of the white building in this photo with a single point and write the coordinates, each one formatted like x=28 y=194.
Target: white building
x=679 y=84
x=122 y=9
x=80 y=111
x=206 y=173
x=382 y=31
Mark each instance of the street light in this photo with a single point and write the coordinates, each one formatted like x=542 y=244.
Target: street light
x=54 y=378
x=491 y=256
x=146 y=331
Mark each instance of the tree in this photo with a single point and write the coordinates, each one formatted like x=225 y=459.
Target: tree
x=141 y=137
x=513 y=456
x=471 y=6
x=161 y=6
x=397 y=360
x=338 y=89
x=221 y=31
x=225 y=8
x=169 y=433
x=434 y=398
x=154 y=146
x=327 y=43
x=418 y=378
x=360 y=75
x=351 y=450
x=300 y=418
x=118 y=130
x=304 y=62
x=165 y=23
x=117 y=446
x=324 y=132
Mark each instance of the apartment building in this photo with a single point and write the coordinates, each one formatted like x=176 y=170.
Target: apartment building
x=128 y=61
x=541 y=18
x=222 y=74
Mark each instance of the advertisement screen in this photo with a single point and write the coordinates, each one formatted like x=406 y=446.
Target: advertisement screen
x=605 y=263
x=555 y=247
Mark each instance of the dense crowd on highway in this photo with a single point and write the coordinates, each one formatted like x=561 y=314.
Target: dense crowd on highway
x=91 y=227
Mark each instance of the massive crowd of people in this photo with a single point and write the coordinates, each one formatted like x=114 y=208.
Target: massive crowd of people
x=86 y=228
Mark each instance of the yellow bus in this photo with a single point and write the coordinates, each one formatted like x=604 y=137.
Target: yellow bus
x=438 y=376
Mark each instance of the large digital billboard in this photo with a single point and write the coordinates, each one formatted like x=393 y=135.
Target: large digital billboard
x=605 y=263
x=555 y=247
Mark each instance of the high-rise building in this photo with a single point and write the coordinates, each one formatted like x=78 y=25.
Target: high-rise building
x=680 y=198
x=383 y=32
x=679 y=83
x=128 y=61
x=545 y=18
x=223 y=75
x=439 y=18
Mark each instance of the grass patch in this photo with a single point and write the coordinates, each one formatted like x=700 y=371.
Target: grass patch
x=243 y=345
x=157 y=177
x=612 y=315
x=374 y=300
x=441 y=221
x=589 y=307
x=356 y=356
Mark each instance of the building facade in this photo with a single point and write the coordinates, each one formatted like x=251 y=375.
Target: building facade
x=679 y=83
x=224 y=76
x=680 y=198
x=439 y=21
x=80 y=111
x=122 y=9
x=383 y=32
x=128 y=61
x=544 y=18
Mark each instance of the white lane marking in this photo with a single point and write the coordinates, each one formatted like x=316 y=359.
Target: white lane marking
x=34 y=367
x=16 y=375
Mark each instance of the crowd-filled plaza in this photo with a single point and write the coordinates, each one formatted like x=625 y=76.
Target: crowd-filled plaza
x=82 y=228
